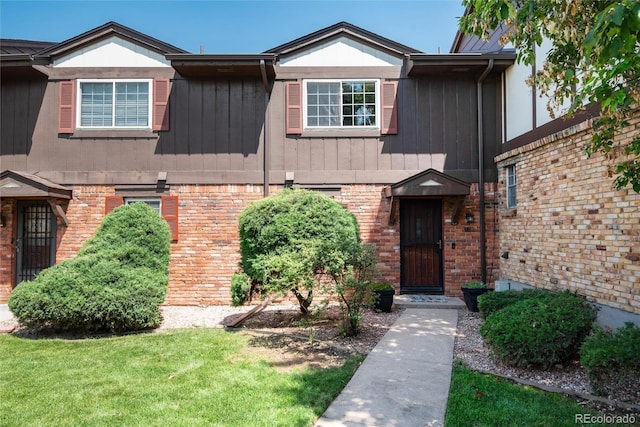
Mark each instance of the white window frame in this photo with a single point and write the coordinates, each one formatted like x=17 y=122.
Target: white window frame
x=340 y=81
x=511 y=185
x=113 y=115
x=147 y=200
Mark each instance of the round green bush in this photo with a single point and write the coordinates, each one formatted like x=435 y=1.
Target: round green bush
x=116 y=282
x=539 y=333
x=287 y=239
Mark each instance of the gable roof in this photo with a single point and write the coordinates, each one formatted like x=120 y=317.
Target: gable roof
x=343 y=29
x=105 y=31
x=430 y=183
x=24 y=185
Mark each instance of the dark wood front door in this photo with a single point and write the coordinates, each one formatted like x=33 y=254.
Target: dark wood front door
x=421 y=246
x=36 y=239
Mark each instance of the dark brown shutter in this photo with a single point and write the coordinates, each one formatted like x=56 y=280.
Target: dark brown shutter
x=389 y=108
x=161 y=89
x=170 y=214
x=293 y=96
x=66 y=106
x=112 y=202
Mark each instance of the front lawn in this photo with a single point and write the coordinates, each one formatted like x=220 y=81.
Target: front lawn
x=196 y=377
x=477 y=399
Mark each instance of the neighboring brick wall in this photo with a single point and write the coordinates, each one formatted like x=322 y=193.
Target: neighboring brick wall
x=571 y=229
x=206 y=255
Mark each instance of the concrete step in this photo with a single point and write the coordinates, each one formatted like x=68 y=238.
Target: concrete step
x=428 y=301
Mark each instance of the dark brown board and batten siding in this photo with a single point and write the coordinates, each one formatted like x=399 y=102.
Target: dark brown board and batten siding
x=437 y=126
x=216 y=133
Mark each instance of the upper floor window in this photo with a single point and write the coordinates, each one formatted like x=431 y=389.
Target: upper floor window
x=511 y=186
x=114 y=104
x=341 y=103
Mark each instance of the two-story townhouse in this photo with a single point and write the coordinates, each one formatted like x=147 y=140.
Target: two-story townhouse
x=404 y=139
x=562 y=223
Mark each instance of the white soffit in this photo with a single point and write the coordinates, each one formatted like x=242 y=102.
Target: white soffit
x=112 y=52
x=341 y=52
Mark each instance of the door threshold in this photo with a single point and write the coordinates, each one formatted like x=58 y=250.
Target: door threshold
x=427 y=301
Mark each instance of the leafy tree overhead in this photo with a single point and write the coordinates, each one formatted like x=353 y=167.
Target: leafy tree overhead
x=288 y=240
x=595 y=58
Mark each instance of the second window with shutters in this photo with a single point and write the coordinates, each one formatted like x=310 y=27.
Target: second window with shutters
x=341 y=103
x=367 y=104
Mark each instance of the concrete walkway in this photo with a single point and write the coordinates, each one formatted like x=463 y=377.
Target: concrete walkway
x=405 y=380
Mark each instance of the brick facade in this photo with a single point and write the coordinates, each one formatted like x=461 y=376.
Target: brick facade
x=571 y=229
x=206 y=255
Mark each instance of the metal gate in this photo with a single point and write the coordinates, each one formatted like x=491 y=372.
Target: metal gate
x=36 y=239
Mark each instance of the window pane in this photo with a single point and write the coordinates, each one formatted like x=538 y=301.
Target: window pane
x=323 y=100
x=132 y=104
x=96 y=104
x=358 y=103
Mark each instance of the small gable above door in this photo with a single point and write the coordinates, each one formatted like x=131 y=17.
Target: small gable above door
x=429 y=183
x=14 y=184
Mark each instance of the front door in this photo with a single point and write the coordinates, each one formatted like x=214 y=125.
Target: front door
x=36 y=239
x=421 y=246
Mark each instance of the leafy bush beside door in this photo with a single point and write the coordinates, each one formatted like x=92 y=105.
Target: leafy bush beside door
x=116 y=282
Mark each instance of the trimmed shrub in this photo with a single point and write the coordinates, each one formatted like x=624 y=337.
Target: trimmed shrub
x=539 y=332
x=491 y=302
x=288 y=239
x=116 y=283
x=611 y=357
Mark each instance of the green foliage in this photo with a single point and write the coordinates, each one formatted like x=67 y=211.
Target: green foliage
x=491 y=302
x=381 y=286
x=539 y=332
x=116 y=283
x=353 y=286
x=595 y=58
x=288 y=240
x=475 y=285
x=611 y=357
x=240 y=288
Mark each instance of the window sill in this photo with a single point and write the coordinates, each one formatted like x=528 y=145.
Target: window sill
x=340 y=133
x=509 y=213
x=114 y=134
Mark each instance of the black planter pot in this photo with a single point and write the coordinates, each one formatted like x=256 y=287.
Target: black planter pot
x=384 y=300
x=471 y=297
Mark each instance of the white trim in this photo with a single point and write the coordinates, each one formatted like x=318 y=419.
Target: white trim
x=113 y=115
x=306 y=126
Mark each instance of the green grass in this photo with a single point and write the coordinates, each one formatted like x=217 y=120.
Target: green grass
x=477 y=399
x=197 y=377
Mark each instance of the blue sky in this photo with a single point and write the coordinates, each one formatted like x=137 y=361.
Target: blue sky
x=235 y=26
